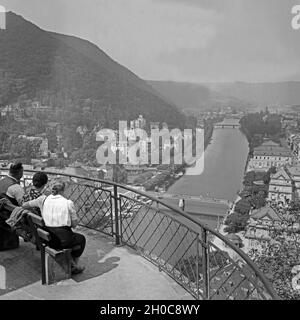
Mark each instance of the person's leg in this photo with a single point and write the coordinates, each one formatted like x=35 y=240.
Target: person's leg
x=70 y=240
x=78 y=244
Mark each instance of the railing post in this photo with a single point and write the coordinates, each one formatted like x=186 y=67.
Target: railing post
x=205 y=264
x=117 y=216
x=197 y=266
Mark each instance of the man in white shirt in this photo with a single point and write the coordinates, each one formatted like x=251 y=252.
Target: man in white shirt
x=59 y=215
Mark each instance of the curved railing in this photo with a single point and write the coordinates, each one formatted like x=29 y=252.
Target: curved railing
x=204 y=262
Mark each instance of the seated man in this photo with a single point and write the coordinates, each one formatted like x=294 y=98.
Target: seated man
x=19 y=221
x=59 y=215
x=10 y=185
x=10 y=189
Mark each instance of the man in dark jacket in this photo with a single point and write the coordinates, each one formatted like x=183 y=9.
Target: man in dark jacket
x=10 y=185
x=10 y=189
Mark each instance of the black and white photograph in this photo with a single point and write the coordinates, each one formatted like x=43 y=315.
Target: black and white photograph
x=149 y=151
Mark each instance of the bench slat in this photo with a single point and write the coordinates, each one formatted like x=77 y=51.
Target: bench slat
x=54 y=252
x=44 y=234
x=36 y=219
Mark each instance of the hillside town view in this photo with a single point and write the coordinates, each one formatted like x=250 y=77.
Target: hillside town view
x=224 y=227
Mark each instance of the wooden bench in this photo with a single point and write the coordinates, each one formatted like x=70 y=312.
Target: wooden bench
x=55 y=264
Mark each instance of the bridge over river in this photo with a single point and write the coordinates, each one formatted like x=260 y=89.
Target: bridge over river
x=228 y=124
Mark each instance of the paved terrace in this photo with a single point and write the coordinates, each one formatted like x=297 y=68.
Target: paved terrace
x=112 y=273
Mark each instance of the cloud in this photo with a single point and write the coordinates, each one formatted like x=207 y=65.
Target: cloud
x=253 y=42
x=206 y=4
x=137 y=33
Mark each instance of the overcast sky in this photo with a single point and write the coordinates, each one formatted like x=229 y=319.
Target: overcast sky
x=181 y=40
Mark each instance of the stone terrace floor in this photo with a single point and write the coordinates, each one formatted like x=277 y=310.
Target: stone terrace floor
x=112 y=273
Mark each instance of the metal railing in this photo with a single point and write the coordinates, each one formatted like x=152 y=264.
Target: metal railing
x=204 y=262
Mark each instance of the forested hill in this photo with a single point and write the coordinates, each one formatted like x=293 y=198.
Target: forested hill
x=92 y=52
x=61 y=71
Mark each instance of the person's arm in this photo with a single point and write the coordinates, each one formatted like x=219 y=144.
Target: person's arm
x=36 y=203
x=73 y=214
x=16 y=192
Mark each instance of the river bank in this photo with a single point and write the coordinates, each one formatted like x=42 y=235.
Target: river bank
x=172 y=173
x=208 y=132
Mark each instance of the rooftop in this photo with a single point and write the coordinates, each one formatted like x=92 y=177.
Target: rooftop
x=270 y=143
x=272 y=148
x=265 y=212
x=281 y=174
x=273 y=152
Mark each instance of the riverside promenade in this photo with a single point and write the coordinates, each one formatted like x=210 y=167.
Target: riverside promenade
x=112 y=273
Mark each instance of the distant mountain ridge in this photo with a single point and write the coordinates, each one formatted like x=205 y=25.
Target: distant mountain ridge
x=64 y=69
x=247 y=95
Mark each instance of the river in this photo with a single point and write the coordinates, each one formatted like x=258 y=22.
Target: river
x=224 y=163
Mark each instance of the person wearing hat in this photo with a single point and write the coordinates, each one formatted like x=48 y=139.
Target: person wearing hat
x=10 y=185
x=59 y=215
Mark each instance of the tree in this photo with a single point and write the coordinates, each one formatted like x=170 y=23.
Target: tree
x=52 y=140
x=273 y=124
x=294 y=207
x=277 y=262
x=267 y=175
x=258 y=201
x=236 y=222
x=23 y=147
x=243 y=206
x=119 y=174
x=249 y=178
x=72 y=139
x=3 y=137
x=278 y=259
x=255 y=126
x=89 y=141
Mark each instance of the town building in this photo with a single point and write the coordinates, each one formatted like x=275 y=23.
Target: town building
x=82 y=130
x=133 y=169
x=281 y=187
x=164 y=125
x=43 y=150
x=269 y=154
x=154 y=125
x=6 y=111
x=261 y=223
x=295 y=175
x=201 y=123
x=294 y=143
x=139 y=123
